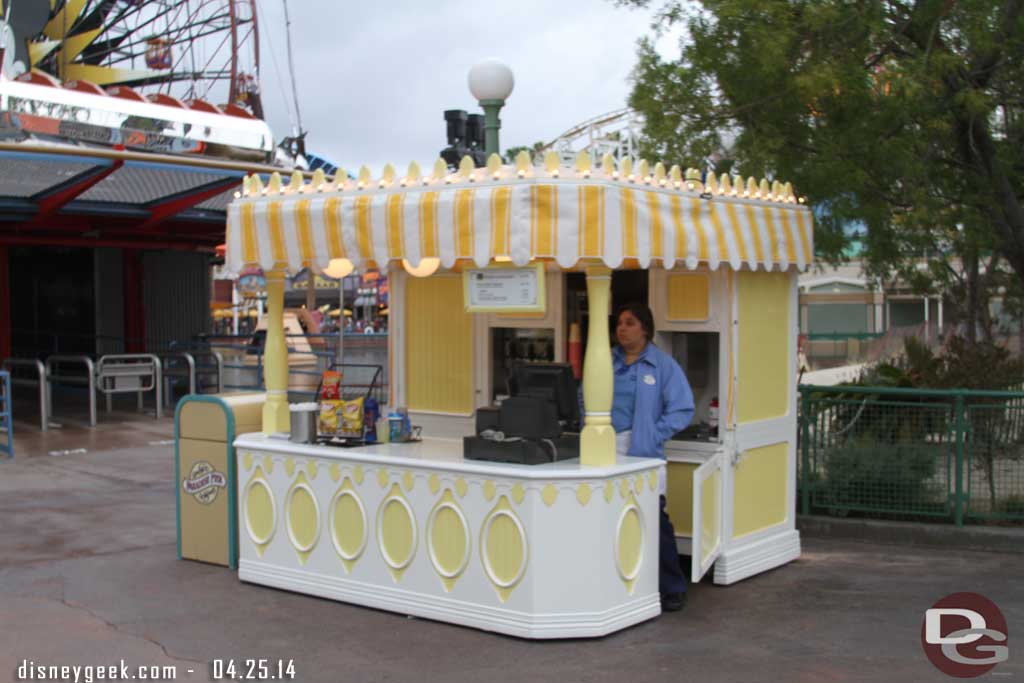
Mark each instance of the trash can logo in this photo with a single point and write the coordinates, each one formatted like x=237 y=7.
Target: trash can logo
x=204 y=482
x=965 y=635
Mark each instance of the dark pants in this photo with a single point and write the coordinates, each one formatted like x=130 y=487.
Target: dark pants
x=671 y=578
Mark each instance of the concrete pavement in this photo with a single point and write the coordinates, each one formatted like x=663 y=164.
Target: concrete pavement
x=88 y=575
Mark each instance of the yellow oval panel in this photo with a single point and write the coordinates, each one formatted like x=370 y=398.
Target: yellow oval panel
x=504 y=549
x=303 y=518
x=259 y=511
x=397 y=533
x=348 y=525
x=630 y=543
x=449 y=541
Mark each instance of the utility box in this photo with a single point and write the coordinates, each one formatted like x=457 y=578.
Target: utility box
x=205 y=427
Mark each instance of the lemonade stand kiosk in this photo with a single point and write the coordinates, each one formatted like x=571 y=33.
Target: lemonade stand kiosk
x=562 y=549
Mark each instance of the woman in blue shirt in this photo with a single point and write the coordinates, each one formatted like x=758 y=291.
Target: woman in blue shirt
x=652 y=401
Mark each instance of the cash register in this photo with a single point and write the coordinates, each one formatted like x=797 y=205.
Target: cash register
x=538 y=423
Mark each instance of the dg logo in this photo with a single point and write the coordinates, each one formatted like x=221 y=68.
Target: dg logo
x=964 y=635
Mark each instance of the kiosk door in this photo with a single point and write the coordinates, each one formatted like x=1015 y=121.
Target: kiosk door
x=708 y=500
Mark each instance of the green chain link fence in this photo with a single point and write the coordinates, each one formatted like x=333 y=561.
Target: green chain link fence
x=910 y=453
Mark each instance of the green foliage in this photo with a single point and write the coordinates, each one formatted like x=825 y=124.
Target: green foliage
x=905 y=119
x=960 y=365
x=868 y=475
x=1012 y=506
x=533 y=151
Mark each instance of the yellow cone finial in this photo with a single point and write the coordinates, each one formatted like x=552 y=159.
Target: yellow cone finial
x=413 y=174
x=466 y=167
x=583 y=162
x=440 y=169
x=319 y=180
x=551 y=162
x=493 y=164
x=608 y=164
x=523 y=162
x=643 y=169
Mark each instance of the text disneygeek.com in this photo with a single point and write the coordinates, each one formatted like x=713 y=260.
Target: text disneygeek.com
x=33 y=671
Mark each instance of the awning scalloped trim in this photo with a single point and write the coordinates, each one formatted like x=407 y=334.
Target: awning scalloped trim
x=565 y=220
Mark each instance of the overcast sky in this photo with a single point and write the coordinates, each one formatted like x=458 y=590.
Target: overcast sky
x=375 y=77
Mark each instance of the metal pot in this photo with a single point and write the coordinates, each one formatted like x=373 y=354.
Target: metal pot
x=303 y=422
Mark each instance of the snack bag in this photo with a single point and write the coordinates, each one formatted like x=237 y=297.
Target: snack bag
x=330 y=389
x=351 y=417
x=329 y=413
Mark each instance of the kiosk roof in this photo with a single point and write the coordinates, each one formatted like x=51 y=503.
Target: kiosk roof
x=626 y=217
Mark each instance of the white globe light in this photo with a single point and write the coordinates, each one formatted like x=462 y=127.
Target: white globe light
x=339 y=268
x=491 y=80
x=427 y=266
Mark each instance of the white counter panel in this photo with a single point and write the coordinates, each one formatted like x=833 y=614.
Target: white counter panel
x=548 y=551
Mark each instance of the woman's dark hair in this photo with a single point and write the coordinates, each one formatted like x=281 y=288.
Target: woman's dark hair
x=642 y=313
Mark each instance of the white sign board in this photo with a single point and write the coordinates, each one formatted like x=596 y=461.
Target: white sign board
x=501 y=289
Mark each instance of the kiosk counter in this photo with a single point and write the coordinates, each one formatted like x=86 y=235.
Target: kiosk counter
x=546 y=551
x=494 y=266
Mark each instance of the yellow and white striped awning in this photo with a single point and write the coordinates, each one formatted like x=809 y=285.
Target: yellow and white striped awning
x=565 y=219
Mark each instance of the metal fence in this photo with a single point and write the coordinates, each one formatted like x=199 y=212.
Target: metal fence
x=910 y=453
x=6 y=428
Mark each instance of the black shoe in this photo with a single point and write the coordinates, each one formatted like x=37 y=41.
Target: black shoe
x=673 y=602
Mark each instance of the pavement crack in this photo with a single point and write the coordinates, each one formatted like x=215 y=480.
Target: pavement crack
x=10 y=564
x=64 y=468
x=117 y=629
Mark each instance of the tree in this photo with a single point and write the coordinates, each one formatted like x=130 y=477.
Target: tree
x=903 y=117
x=533 y=151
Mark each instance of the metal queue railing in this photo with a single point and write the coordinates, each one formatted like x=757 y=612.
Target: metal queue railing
x=218 y=364
x=137 y=373
x=6 y=427
x=58 y=377
x=10 y=365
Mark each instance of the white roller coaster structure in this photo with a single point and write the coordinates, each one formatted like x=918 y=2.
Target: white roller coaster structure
x=616 y=133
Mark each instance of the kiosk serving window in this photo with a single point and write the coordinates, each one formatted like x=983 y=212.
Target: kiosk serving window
x=698 y=354
x=691 y=315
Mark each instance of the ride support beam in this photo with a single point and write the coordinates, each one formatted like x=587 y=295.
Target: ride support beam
x=54 y=199
x=170 y=206
x=116 y=243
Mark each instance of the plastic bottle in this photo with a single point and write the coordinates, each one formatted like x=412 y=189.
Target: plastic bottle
x=713 y=416
x=371 y=411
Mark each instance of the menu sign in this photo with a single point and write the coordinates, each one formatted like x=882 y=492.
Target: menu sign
x=501 y=289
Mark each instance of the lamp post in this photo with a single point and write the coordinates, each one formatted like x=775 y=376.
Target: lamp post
x=491 y=83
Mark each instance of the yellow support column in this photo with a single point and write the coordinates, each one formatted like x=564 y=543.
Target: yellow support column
x=597 y=441
x=275 y=359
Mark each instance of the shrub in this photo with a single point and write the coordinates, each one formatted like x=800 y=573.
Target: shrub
x=883 y=476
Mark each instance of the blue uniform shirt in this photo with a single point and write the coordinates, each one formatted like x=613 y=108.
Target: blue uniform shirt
x=661 y=397
x=624 y=398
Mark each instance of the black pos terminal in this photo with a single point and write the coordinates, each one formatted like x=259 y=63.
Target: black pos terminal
x=538 y=423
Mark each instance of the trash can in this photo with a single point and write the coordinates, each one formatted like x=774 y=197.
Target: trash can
x=205 y=427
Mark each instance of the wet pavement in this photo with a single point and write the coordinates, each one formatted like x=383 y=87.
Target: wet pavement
x=89 y=576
